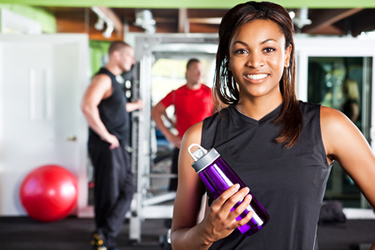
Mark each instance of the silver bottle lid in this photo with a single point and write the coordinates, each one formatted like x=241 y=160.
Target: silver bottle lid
x=202 y=158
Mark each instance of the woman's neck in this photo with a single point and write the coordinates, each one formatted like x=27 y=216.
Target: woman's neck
x=257 y=108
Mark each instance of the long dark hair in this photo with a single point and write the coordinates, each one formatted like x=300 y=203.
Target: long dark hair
x=225 y=87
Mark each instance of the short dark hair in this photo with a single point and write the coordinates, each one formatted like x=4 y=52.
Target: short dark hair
x=116 y=46
x=191 y=61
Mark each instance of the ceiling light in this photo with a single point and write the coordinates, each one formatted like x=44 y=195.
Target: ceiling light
x=144 y=19
x=103 y=19
x=99 y=25
x=108 y=31
x=301 y=18
x=292 y=14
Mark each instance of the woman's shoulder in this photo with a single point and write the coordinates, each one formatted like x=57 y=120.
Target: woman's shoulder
x=218 y=116
x=309 y=106
x=327 y=115
x=194 y=131
x=333 y=118
x=310 y=112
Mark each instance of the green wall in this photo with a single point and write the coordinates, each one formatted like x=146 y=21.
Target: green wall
x=45 y=18
x=98 y=50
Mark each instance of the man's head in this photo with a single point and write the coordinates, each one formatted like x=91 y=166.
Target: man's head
x=121 y=54
x=194 y=70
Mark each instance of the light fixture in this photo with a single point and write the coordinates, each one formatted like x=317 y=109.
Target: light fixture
x=144 y=19
x=99 y=25
x=102 y=18
x=292 y=14
x=301 y=18
x=108 y=31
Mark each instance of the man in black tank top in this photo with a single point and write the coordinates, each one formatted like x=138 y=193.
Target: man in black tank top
x=106 y=110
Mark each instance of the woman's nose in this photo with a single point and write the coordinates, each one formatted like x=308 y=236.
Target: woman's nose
x=255 y=60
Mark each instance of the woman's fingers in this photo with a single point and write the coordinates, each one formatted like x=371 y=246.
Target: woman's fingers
x=241 y=208
x=236 y=198
x=232 y=202
x=221 y=218
x=237 y=203
x=223 y=198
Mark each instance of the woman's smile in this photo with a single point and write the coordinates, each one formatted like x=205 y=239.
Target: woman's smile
x=256 y=76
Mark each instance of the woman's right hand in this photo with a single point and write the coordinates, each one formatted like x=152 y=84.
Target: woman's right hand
x=220 y=221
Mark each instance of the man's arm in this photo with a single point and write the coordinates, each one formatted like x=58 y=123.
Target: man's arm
x=156 y=113
x=100 y=88
x=131 y=106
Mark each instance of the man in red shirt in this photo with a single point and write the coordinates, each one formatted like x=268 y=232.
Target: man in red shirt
x=192 y=102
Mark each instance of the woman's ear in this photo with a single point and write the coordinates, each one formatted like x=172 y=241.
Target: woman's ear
x=288 y=51
x=229 y=68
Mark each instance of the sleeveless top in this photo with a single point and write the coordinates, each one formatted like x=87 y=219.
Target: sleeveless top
x=289 y=182
x=112 y=111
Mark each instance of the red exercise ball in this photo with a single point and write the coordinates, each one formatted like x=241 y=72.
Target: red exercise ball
x=49 y=193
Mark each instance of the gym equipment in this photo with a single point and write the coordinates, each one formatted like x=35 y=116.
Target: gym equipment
x=49 y=193
x=148 y=204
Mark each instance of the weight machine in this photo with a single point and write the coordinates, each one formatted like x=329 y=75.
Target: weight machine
x=149 y=49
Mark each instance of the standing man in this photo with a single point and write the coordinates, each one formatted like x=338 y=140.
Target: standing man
x=106 y=110
x=192 y=102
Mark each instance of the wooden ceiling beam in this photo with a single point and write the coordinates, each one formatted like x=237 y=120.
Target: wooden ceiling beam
x=322 y=18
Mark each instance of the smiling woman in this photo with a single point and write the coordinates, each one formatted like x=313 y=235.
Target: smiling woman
x=281 y=147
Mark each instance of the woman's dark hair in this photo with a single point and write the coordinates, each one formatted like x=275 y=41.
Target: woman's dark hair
x=225 y=87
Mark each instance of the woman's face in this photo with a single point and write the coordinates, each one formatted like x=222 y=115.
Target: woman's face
x=257 y=57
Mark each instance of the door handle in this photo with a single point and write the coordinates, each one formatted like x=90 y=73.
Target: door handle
x=71 y=138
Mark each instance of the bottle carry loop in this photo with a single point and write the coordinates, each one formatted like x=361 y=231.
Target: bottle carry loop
x=197 y=153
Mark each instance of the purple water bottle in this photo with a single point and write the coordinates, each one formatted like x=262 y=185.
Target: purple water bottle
x=217 y=176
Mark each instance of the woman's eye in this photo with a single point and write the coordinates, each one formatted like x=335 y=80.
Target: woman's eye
x=268 y=50
x=241 y=51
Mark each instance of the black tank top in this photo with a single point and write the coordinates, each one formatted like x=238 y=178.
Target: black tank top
x=113 y=112
x=289 y=183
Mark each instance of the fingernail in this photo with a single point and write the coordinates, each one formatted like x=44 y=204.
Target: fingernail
x=237 y=186
x=249 y=197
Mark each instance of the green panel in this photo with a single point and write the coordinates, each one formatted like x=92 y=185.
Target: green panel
x=192 y=3
x=45 y=18
x=98 y=50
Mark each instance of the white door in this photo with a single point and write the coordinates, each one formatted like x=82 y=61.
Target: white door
x=42 y=80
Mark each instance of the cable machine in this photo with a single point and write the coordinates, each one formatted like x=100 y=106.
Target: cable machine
x=149 y=49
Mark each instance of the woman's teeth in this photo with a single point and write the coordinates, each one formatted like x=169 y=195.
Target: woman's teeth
x=257 y=76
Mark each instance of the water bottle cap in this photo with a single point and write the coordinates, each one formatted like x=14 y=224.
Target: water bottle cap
x=203 y=161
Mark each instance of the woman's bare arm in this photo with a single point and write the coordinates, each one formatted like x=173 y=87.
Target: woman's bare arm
x=219 y=221
x=346 y=144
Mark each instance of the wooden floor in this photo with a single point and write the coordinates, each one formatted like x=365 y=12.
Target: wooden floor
x=23 y=233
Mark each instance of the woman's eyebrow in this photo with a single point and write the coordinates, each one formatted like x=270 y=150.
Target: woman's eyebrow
x=263 y=42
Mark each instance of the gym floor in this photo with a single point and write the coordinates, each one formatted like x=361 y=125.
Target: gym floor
x=24 y=233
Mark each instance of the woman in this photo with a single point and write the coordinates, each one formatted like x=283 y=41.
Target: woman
x=281 y=148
